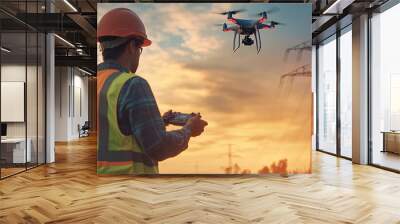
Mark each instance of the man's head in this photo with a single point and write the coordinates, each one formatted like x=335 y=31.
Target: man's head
x=122 y=35
x=128 y=51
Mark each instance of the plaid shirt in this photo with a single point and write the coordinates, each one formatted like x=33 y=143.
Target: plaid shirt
x=138 y=115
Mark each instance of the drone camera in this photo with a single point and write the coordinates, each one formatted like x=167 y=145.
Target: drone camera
x=247 y=41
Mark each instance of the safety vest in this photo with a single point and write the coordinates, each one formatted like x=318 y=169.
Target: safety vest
x=117 y=153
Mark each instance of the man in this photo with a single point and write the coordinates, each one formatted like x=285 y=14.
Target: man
x=131 y=132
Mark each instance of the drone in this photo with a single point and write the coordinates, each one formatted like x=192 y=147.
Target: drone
x=247 y=27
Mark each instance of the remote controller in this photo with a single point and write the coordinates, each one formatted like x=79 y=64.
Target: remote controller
x=177 y=118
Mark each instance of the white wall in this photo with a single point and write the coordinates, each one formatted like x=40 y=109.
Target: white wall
x=61 y=103
x=16 y=73
x=13 y=73
x=80 y=110
x=33 y=127
x=71 y=94
x=10 y=73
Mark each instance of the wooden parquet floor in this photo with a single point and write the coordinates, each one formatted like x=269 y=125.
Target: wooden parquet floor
x=70 y=192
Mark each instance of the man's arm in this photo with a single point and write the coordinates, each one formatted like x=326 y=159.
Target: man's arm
x=138 y=105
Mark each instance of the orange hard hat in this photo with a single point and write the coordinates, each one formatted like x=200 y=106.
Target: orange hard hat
x=122 y=22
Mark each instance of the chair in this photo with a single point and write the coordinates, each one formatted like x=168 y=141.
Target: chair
x=84 y=130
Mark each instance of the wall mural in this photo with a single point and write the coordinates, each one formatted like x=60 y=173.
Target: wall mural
x=244 y=67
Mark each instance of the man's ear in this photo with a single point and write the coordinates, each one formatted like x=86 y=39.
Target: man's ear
x=131 y=48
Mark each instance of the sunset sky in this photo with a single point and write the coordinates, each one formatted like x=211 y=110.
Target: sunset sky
x=191 y=68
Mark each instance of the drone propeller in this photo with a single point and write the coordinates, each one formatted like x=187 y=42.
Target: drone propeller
x=233 y=12
x=273 y=23
x=269 y=11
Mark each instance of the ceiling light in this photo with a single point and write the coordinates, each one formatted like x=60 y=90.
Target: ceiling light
x=79 y=51
x=328 y=10
x=5 y=50
x=337 y=7
x=70 y=5
x=84 y=71
x=64 y=40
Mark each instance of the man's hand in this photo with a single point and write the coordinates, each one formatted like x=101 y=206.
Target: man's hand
x=167 y=115
x=196 y=125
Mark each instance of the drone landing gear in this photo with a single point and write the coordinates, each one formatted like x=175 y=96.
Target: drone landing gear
x=234 y=42
x=247 y=41
x=258 y=39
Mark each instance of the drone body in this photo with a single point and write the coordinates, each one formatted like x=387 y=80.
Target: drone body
x=247 y=27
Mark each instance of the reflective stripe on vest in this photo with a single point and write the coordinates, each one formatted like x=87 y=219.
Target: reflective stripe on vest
x=117 y=153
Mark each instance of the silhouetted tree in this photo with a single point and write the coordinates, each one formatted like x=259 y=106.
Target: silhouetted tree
x=280 y=168
x=264 y=170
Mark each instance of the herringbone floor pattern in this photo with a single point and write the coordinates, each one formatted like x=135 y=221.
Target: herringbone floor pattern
x=70 y=192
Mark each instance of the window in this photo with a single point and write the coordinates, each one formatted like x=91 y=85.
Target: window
x=394 y=102
x=327 y=95
x=385 y=89
x=346 y=92
x=22 y=80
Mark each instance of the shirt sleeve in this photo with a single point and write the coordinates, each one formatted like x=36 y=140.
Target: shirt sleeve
x=138 y=108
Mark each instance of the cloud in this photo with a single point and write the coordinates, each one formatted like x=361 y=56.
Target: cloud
x=181 y=26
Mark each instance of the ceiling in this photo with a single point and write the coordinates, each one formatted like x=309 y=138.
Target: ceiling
x=331 y=15
x=74 y=22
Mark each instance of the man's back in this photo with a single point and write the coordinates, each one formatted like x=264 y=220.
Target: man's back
x=118 y=153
